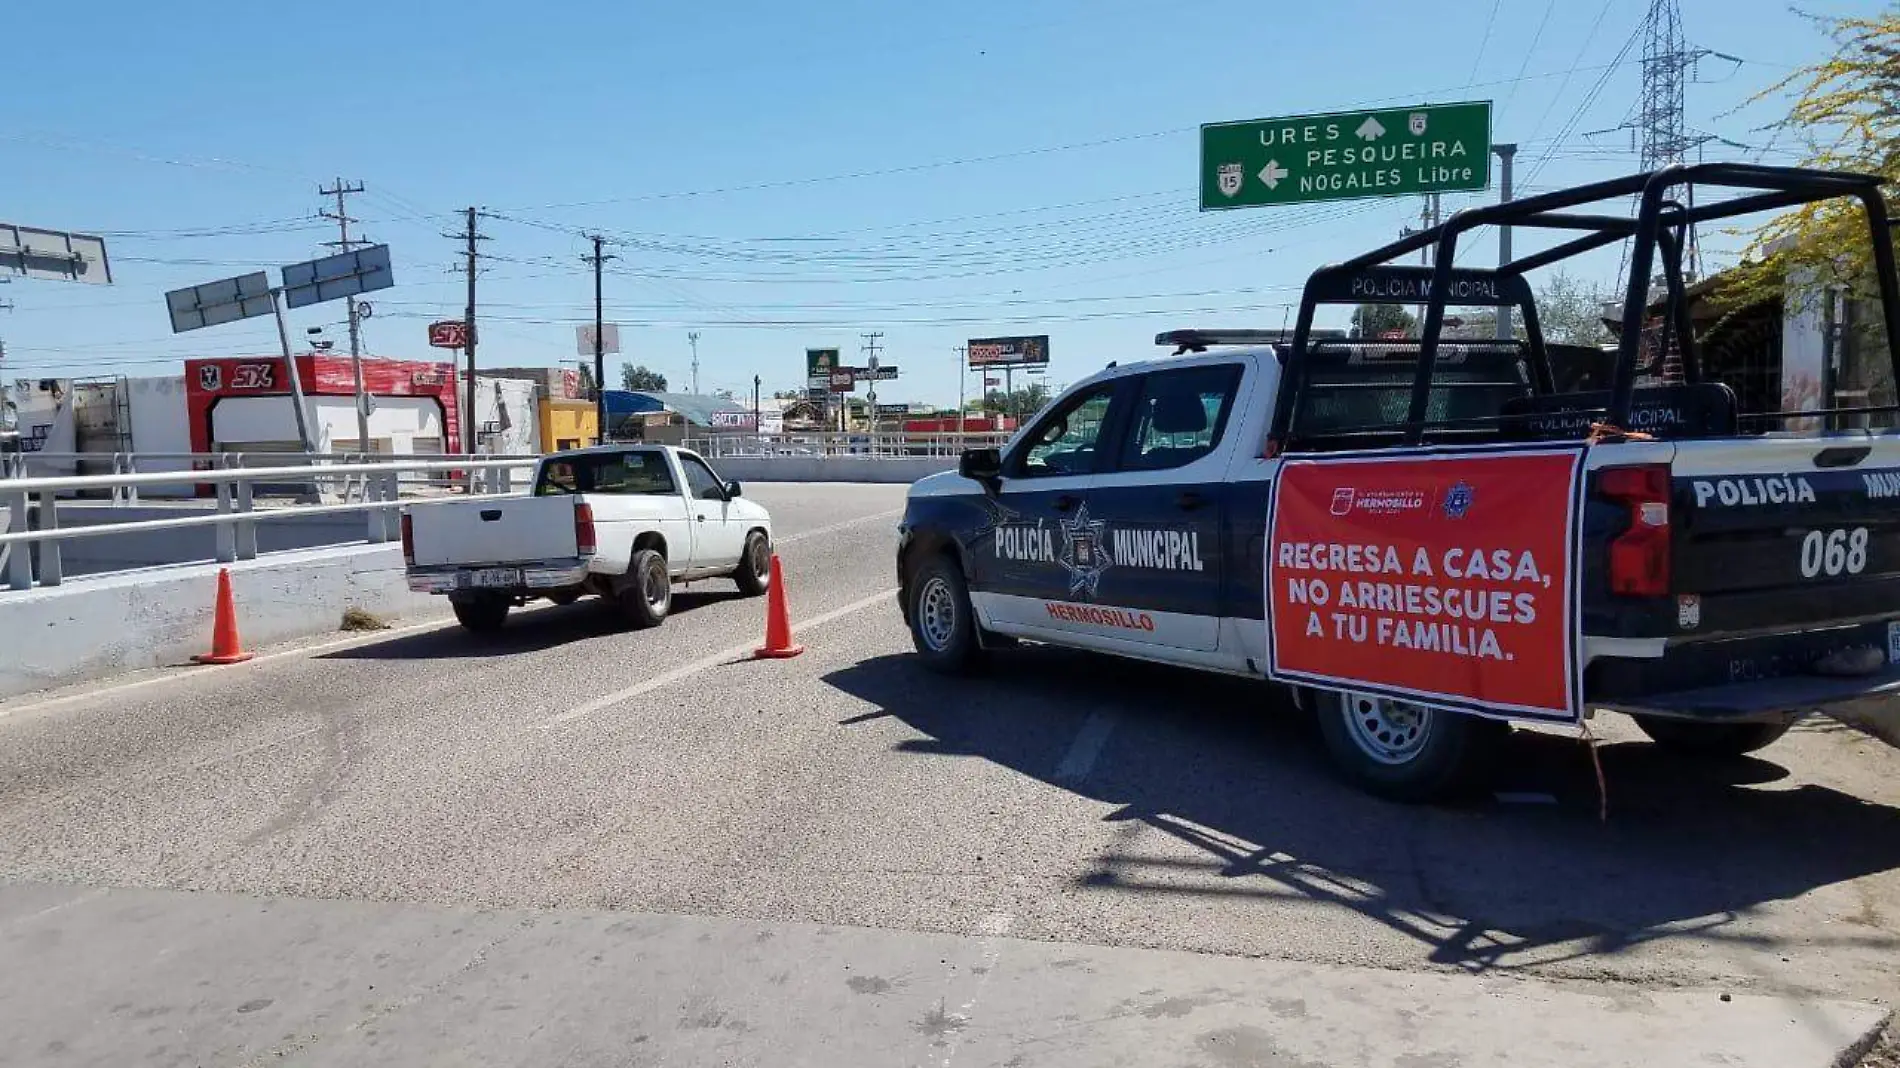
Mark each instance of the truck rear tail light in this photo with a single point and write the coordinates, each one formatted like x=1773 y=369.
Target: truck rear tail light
x=584 y=542
x=1639 y=557
x=408 y=540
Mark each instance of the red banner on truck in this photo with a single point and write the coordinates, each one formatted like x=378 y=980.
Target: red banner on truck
x=1446 y=578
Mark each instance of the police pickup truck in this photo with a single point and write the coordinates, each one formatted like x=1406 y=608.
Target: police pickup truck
x=1716 y=574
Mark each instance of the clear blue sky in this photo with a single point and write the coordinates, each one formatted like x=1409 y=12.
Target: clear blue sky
x=775 y=176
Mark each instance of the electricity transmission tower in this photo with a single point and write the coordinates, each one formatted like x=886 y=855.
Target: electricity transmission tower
x=1662 y=137
x=1667 y=64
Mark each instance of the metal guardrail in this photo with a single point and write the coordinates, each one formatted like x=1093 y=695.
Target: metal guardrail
x=877 y=446
x=236 y=518
x=22 y=464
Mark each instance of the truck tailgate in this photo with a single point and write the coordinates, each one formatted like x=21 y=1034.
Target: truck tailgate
x=1787 y=532
x=493 y=530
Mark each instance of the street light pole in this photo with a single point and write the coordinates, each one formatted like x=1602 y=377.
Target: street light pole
x=1505 y=154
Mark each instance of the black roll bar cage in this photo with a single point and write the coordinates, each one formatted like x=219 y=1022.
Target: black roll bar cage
x=1659 y=225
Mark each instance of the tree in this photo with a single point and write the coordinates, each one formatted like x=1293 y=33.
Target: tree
x=1372 y=320
x=788 y=394
x=1021 y=402
x=1477 y=324
x=1570 y=311
x=640 y=379
x=587 y=381
x=1845 y=119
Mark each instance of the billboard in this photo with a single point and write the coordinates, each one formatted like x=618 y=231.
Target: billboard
x=819 y=363
x=1009 y=351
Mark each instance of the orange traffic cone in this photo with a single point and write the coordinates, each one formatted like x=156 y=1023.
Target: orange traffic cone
x=225 y=647
x=778 y=620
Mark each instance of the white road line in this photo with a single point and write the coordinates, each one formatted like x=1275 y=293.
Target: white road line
x=724 y=656
x=199 y=671
x=803 y=534
x=1080 y=759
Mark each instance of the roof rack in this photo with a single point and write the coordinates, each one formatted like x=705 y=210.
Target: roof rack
x=1657 y=232
x=1200 y=340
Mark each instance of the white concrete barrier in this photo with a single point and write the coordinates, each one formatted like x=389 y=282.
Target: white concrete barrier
x=94 y=627
x=905 y=469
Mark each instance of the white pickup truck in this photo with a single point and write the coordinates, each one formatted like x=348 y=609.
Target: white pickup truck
x=621 y=521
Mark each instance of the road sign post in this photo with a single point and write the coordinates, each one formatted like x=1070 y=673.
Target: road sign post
x=228 y=300
x=337 y=277
x=1346 y=155
x=296 y=383
x=312 y=282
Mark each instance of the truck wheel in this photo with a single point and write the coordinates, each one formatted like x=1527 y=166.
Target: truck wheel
x=1715 y=740
x=647 y=592
x=1405 y=752
x=754 y=574
x=480 y=614
x=942 y=623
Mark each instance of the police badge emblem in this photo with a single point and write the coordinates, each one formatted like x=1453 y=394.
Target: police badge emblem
x=1230 y=176
x=1458 y=500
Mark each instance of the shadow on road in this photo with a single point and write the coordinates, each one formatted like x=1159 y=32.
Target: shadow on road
x=530 y=629
x=1224 y=766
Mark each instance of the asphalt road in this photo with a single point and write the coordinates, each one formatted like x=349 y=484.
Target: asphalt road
x=571 y=765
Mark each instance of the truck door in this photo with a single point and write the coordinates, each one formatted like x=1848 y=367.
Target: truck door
x=718 y=541
x=1161 y=501
x=1031 y=547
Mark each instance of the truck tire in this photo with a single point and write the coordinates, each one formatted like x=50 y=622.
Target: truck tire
x=1712 y=740
x=647 y=593
x=942 y=621
x=754 y=574
x=481 y=613
x=1403 y=752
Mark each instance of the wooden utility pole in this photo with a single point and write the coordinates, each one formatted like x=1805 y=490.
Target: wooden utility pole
x=470 y=237
x=599 y=259
x=344 y=243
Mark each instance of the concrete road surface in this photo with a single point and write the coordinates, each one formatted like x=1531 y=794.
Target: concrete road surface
x=576 y=844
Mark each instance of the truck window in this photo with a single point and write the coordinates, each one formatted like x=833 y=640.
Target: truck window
x=700 y=480
x=1179 y=416
x=1358 y=392
x=630 y=473
x=1063 y=442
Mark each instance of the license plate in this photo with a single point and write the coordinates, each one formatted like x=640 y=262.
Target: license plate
x=1893 y=643
x=493 y=578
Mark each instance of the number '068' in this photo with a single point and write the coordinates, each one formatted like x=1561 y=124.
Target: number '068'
x=1834 y=552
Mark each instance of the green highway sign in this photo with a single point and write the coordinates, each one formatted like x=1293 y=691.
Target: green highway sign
x=1345 y=155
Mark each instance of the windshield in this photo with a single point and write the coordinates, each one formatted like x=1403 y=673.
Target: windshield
x=629 y=474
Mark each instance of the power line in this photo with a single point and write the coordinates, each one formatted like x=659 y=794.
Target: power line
x=1484 y=41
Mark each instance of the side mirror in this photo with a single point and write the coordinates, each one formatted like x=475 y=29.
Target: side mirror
x=982 y=465
x=732 y=489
